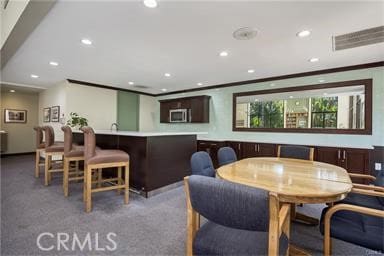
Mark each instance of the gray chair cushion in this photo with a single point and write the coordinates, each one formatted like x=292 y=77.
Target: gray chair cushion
x=226 y=155
x=297 y=152
x=201 y=164
x=229 y=204
x=363 y=200
x=214 y=239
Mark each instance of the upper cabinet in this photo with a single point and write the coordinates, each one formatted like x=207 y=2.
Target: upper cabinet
x=185 y=110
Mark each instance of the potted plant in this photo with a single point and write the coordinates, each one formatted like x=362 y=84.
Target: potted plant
x=76 y=120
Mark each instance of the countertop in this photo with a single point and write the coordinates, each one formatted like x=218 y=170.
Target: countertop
x=143 y=134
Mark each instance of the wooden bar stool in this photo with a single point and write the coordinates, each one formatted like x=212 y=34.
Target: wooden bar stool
x=99 y=159
x=52 y=149
x=40 y=148
x=72 y=154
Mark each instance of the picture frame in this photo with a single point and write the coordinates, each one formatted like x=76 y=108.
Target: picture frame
x=55 y=114
x=46 y=115
x=15 y=116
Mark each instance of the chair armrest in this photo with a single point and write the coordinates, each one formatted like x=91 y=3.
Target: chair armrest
x=368 y=187
x=362 y=176
x=367 y=192
x=339 y=207
x=193 y=220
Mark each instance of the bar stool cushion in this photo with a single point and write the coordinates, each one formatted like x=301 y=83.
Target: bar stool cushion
x=108 y=156
x=55 y=147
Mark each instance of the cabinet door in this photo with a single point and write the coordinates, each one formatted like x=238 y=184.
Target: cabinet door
x=211 y=147
x=267 y=150
x=236 y=147
x=249 y=150
x=355 y=161
x=328 y=155
x=164 y=112
x=200 y=110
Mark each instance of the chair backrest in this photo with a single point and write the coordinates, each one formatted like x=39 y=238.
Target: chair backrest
x=67 y=139
x=226 y=155
x=89 y=142
x=201 y=164
x=297 y=152
x=49 y=135
x=230 y=204
x=39 y=136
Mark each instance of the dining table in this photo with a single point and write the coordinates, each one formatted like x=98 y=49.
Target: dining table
x=293 y=181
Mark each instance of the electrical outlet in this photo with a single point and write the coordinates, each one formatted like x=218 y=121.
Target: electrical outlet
x=378 y=166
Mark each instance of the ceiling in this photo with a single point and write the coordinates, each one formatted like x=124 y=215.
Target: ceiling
x=184 y=38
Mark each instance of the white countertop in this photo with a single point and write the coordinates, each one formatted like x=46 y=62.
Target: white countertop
x=143 y=134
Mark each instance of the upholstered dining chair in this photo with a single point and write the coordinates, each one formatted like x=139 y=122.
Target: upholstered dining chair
x=226 y=155
x=72 y=154
x=201 y=164
x=40 y=148
x=358 y=219
x=296 y=152
x=98 y=160
x=239 y=221
x=53 y=149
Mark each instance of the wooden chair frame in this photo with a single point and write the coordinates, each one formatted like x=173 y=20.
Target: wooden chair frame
x=48 y=165
x=311 y=152
x=372 y=191
x=279 y=222
x=69 y=174
x=120 y=183
x=38 y=162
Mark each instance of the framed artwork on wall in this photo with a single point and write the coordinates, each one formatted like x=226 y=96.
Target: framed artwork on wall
x=46 y=115
x=55 y=114
x=15 y=116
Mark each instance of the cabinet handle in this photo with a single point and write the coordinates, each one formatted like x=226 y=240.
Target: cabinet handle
x=258 y=148
x=202 y=143
x=213 y=144
x=338 y=154
x=344 y=154
x=239 y=146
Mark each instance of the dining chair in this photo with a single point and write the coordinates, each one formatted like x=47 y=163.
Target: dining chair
x=96 y=160
x=53 y=149
x=296 y=152
x=358 y=219
x=241 y=220
x=226 y=155
x=40 y=148
x=201 y=164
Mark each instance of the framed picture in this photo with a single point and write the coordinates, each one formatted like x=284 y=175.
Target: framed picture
x=15 y=116
x=46 y=115
x=55 y=114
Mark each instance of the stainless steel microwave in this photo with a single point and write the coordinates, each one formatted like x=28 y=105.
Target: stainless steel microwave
x=178 y=115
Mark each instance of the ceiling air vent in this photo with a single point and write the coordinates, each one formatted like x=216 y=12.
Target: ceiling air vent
x=141 y=86
x=359 y=38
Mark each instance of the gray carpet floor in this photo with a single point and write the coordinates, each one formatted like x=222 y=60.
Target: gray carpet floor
x=154 y=226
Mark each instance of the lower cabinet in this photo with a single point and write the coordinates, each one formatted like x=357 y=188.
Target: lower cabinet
x=211 y=147
x=251 y=149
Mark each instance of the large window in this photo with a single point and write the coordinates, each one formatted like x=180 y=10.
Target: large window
x=325 y=108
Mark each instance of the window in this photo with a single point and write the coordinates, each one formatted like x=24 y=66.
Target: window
x=344 y=107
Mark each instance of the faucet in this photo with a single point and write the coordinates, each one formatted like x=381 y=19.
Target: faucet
x=116 y=126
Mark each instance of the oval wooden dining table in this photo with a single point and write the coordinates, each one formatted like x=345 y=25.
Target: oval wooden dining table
x=290 y=181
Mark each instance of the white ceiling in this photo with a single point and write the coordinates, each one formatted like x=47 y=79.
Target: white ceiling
x=135 y=43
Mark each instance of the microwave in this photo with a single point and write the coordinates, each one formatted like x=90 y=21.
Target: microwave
x=178 y=115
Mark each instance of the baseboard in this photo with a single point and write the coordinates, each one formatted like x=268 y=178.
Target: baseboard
x=16 y=154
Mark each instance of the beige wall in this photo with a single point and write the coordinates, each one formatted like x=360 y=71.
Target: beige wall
x=147 y=108
x=21 y=137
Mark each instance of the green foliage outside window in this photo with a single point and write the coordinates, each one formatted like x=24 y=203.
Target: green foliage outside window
x=269 y=114
x=324 y=112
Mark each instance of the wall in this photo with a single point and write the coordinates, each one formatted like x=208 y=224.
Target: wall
x=21 y=137
x=220 y=126
x=147 y=113
x=128 y=111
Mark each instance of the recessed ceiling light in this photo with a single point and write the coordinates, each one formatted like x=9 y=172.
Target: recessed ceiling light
x=167 y=74
x=86 y=41
x=150 y=3
x=313 y=60
x=303 y=33
x=321 y=80
x=325 y=93
x=53 y=63
x=12 y=91
x=291 y=97
x=272 y=84
x=131 y=83
x=223 y=54
x=256 y=99
x=251 y=71
x=34 y=76
x=199 y=84
x=164 y=89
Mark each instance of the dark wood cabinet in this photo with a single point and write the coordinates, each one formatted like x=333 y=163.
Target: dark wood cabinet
x=211 y=147
x=252 y=149
x=197 y=106
x=237 y=147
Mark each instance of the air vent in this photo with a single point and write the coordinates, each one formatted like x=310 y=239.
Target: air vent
x=244 y=33
x=359 y=38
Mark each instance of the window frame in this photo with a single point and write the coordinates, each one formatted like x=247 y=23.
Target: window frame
x=367 y=108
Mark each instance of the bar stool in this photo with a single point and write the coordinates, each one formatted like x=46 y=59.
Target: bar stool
x=99 y=159
x=40 y=148
x=52 y=149
x=72 y=153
